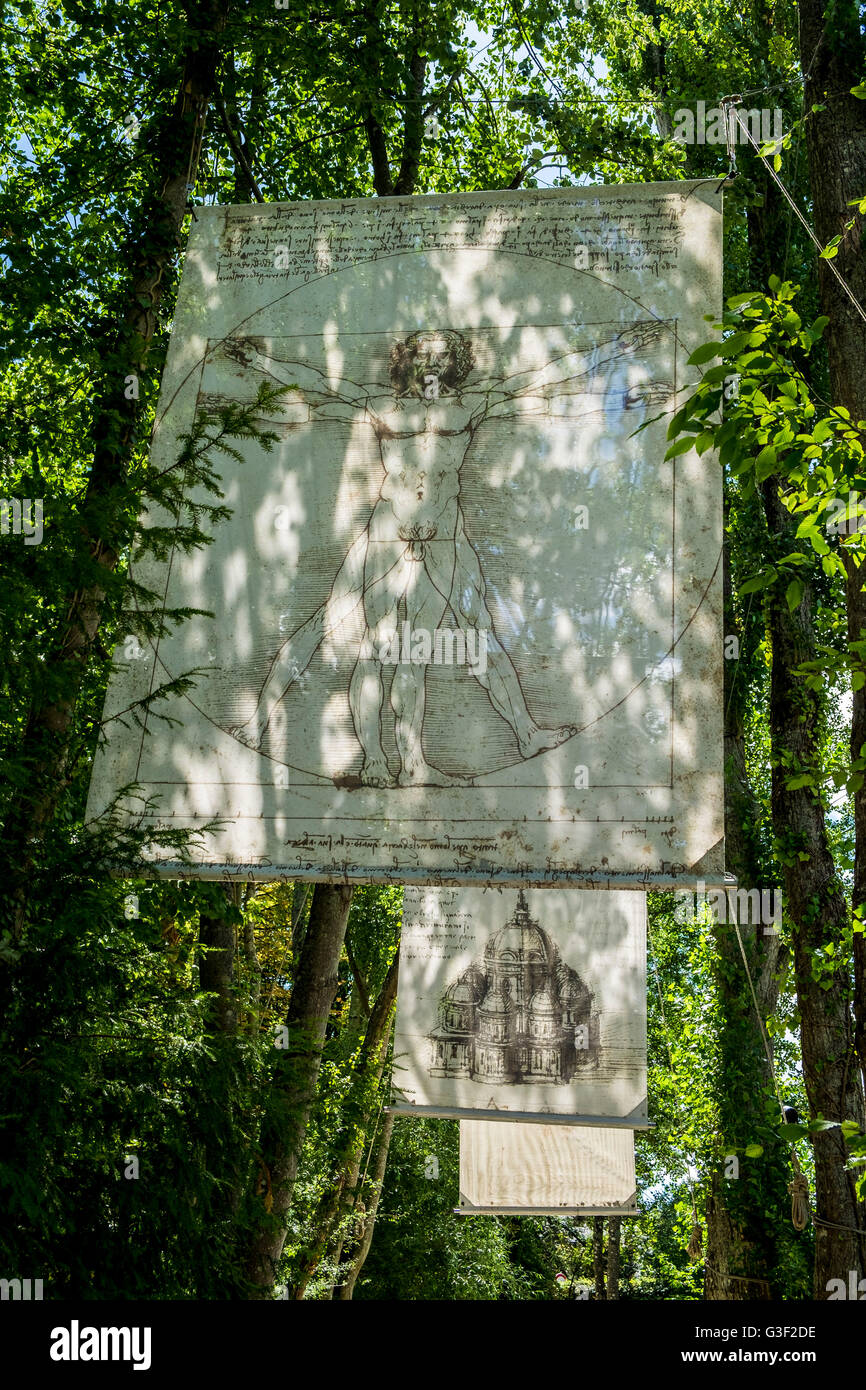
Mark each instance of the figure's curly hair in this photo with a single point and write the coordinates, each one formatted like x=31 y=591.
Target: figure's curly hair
x=405 y=356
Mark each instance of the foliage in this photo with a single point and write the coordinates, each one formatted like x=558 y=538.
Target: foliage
x=110 y=1050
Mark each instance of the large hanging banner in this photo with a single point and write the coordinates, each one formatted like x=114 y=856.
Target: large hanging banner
x=546 y=1170
x=466 y=621
x=523 y=1005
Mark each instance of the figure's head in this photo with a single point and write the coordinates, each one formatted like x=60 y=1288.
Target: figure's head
x=444 y=355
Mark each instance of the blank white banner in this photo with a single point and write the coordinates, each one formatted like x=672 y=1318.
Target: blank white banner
x=538 y=1170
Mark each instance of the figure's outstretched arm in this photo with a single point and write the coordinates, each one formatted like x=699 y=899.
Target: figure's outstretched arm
x=251 y=352
x=579 y=370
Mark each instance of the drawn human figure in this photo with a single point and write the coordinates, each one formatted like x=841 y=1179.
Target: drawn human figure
x=413 y=561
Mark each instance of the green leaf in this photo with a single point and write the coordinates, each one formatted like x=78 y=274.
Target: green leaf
x=735 y=344
x=682 y=446
x=792 y=1132
x=704 y=442
x=679 y=421
x=819 y=545
x=754 y=1150
x=705 y=353
x=759 y=581
x=732 y=449
x=794 y=593
x=765 y=463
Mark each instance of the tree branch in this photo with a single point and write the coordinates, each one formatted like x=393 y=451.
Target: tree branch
x=371 y=62
x=413 y=125
x=358 y=977
x=238 y=152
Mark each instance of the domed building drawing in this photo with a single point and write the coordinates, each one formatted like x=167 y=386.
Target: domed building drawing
x=521 y=1016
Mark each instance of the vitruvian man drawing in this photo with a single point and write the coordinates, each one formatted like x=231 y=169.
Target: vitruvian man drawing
x=520 y=1015
x=413 y=566
x=462 y=622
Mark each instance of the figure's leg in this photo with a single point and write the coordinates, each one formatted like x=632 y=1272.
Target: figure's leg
x=500 y=680
x=298 y=650
x=425 y=607
x=386 y=576
x=366 y=693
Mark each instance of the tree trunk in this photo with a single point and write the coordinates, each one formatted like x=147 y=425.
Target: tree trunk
x=614 y=1233
x=378 y=1177
x=116 y=419
x=218 y=976
x=254 y=974
x=313 y=993
x=818 y=913
x=731 y=1252
x=833 y=56
x=598 y=1255
x=343 y=1192
x=743 y=1237
x=216 y=971
x=300 y=896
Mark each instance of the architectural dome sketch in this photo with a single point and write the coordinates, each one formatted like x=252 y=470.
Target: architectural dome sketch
x=523 y=1015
